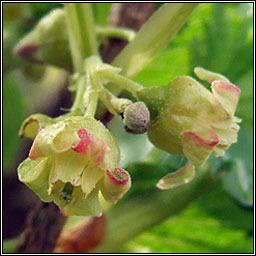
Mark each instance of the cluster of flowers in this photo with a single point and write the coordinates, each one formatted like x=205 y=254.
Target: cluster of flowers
x=74 y=160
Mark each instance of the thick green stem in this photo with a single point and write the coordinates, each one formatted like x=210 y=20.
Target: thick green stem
x=127 y=220
x=81 y=30
x=153 y=37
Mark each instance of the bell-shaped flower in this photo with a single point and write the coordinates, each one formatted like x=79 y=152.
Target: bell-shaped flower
x=71 y=161
x=188 y=119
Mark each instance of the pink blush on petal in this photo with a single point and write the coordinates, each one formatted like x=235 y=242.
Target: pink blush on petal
x=205 y=143
x=83 y=146
x=220 y=85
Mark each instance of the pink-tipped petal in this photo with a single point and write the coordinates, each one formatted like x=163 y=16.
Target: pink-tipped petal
x=197 y=148
x=119 y=176
x=227 y=94
x=115 y=184
x=35 y=152
x=183 y=176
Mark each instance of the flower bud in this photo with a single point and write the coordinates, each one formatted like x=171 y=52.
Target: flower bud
x=136 y=118
x=47 y=42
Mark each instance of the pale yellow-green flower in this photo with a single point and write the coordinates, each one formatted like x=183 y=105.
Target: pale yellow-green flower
x=188 y=119
x=71 y=161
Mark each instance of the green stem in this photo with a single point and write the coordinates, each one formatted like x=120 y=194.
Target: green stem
x=81 y=31
x=127 y=220
x=78 y=106
x=114 y=32
x=150 y=41
x=92 y=106
x=121 y=81
x=115 y=105
x=153 y=37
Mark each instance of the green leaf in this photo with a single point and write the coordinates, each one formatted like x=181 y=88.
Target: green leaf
x=13 y=115
x=213 y=224
x=175 y=59
x=238 y=179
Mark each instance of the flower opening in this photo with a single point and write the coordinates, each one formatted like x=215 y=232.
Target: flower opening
x=70 y=162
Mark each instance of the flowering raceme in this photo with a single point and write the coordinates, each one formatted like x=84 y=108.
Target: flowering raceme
x=71 y=161
x=189 y=119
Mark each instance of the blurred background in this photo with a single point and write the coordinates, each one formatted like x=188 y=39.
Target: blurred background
x=218 y=37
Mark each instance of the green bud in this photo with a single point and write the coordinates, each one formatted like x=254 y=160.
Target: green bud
x=136 y=118
x=47 y=42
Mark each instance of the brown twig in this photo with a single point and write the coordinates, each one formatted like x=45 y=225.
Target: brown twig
x=43 y=227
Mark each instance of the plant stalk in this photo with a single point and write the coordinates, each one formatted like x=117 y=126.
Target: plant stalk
x=81 y=31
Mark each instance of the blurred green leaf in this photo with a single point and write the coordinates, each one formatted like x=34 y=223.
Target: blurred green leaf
x=175 y=59
x=210 y=225
x=238 y=179
x=245 y=106
x=13 y=116
x=145 y=177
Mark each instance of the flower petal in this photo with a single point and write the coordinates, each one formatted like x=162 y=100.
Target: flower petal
x=33 y=124
x=227 y=135
x=100 y=135
x=209 y=76
x=35 y=175
x=197 y=148
x=115 y=184
x=56 y=138
x=81 y=206
x=91 y=175
x=91 y=145
x=68 y=167
x=227 y=94
x=183 y=176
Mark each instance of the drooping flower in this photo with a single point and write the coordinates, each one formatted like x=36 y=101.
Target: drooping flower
x=71 y=162
x=188 y=119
